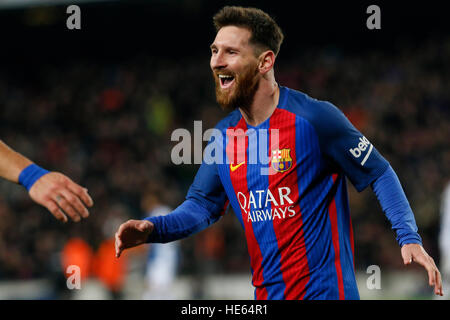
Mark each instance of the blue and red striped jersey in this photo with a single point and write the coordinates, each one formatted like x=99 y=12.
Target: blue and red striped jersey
x=292 y=201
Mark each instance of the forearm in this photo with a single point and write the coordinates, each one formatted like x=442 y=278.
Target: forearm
x=396 y=207
x=189 y=218
x=11 y=163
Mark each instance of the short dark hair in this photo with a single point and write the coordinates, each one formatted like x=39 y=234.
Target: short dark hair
x=265 y=31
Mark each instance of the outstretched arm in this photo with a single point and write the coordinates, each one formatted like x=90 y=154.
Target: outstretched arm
x=205 y=203
x=11 y=163
x=398 y=211
x=187 y=219
x=53 y=190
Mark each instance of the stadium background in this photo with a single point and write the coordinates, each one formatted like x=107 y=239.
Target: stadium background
x=99 y=104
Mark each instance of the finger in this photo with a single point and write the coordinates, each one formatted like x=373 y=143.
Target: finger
x=438 y=286
x=82 y=193
x=117 y=244
x=126 y=242
x=120 y=248
x=126 y=225
x=434 y=276
x=431 y=275
x=67 y=208
x=75 y=202
x=56 y=211
x=122 y=227
x=407 y=257
x=427 y=264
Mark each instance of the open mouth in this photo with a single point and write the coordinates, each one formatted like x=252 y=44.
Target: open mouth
x=226 y=81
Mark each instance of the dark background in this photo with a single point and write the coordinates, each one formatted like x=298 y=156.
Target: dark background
x=79 y=102
x=169 y=28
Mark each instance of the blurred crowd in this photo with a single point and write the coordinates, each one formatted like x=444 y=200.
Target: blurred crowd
x=108 y=125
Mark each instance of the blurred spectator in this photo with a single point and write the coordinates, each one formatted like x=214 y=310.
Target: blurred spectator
x=444 y=241
x=77 y=252
x=162 y=263
x=110 y=271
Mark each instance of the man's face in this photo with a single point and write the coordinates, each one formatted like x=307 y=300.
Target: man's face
x=235 y=68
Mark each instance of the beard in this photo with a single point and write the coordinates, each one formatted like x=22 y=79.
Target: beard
x=242 y=94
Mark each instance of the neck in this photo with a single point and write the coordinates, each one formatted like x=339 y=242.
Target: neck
x=264 y=102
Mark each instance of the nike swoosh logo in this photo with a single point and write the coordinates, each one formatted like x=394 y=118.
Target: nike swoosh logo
x=234 y=168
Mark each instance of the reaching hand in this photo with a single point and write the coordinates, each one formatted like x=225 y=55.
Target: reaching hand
x=131 y=234
x=415 y=252
x=61 y=196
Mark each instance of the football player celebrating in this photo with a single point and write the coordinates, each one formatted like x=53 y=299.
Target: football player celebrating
x=295 y=217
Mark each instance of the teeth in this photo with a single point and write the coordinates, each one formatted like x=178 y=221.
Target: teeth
x=222 y=76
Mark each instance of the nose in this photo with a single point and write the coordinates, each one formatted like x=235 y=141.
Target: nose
x=217 y=61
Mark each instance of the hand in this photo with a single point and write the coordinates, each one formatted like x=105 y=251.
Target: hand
x=131 y=234
x=61 y=196
x=415 y=252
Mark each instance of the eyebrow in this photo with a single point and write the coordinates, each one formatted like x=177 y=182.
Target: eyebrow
x=213 y=46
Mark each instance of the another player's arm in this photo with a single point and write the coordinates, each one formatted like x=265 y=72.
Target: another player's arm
x=11 y=163
x=53 y=190
x=364 y=166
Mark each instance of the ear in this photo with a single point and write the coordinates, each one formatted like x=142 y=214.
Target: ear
x=266 y=61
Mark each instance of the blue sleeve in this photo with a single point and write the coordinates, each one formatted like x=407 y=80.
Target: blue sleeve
x=205 y=203
x=344 y=145
x=396 y=207
x=188 y=218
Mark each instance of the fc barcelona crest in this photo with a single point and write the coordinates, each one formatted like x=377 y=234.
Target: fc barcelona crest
x=281 y=160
